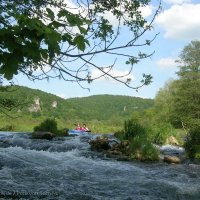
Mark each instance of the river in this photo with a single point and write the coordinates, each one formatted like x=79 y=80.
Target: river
x=65 y=168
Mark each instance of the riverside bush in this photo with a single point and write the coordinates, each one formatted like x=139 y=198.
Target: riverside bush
x=140 y=147
x=49 y=125
x=160 y=132
x=192 y=143
x=7 y=128
x=133 y=129
x=149 y=152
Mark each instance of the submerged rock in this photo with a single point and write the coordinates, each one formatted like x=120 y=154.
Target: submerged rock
x=43 y=135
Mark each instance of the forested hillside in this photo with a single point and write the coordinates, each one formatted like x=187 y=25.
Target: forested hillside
x=105 y=107
x=36 y=105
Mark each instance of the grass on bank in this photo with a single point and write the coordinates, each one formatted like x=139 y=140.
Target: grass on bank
x=28 y=123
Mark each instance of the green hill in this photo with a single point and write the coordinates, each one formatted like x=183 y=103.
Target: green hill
x=100 y=111
x=105 y=107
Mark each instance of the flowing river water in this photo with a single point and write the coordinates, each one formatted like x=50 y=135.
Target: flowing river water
x=65 y=168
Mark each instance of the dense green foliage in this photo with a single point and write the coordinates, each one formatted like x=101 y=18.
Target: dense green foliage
x=108 y=107
x=186 y=95
x=47 y=125
x=31 y=37
x=178 y=103
x=7 y=102
x=185 y=101
x=131 y=130
x=179 y=100
x=160 y=132
x=140 y=146
x=192 y=144
x=101 y=113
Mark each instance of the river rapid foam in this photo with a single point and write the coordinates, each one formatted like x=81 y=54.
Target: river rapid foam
x=65 y=168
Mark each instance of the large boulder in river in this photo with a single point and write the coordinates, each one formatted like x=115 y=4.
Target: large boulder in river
x=43 y=135
x=172 y=159
x=99 y=144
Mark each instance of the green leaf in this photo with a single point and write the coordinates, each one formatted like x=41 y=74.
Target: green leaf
x=63 y=13
x=67 y=37
x=56 y=24
x=44 y=53
x=83 y=30
x=50 y=13
x=80 y=42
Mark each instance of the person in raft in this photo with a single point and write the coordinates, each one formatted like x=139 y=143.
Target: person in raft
x=84 y=128
x=78 y=127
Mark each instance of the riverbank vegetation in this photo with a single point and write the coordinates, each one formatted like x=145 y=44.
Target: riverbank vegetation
x=175 y=114
x=101 y=113
x=140 y=146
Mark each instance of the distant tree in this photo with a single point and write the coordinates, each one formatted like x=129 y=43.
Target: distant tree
x=163 y=103
x=179 y=101
x=187 y=97
x=46 y=39
x=189 y=60
x=186 y=102
x=186 y=94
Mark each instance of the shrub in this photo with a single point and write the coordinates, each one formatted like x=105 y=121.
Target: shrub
x=49 y=125
x=133 y=129
x=136 y=144
x=161 y=132
x=150 y=153
x=142 y=149
x=119 y=135
x=192 y=143
x=7 y=128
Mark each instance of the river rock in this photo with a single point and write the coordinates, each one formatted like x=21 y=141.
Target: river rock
x=99 y=144
x=121 y=147
x=172 y=159
x=43 y=135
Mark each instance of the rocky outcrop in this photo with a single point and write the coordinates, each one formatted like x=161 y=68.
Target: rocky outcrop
x=54 y=104
x=111 y=148
x=35 y=107
x=120 y=151
x=99 y=144
x=120 y=148
x=43 y=135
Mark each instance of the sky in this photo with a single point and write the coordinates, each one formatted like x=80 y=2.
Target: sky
x=177 y=24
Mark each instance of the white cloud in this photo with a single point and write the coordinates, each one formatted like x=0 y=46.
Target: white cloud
x=166 y=63
x=146 y=11
x=62 y=96
x=121 y=75
x=177 y=1
x=181 y=21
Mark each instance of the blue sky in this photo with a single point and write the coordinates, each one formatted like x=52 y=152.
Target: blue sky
x=178 y=24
